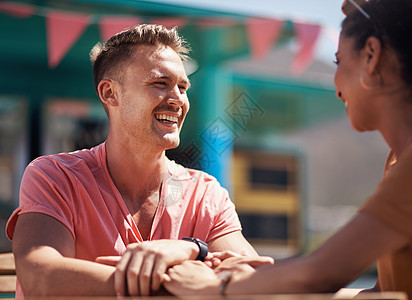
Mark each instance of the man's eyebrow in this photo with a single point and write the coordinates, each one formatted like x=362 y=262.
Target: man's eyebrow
x=155 y=76
x=187 y=83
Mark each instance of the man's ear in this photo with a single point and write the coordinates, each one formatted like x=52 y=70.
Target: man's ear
x=107 y=92
x=373 y=49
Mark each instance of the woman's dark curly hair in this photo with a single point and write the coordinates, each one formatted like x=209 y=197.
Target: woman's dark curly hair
x=391 y=22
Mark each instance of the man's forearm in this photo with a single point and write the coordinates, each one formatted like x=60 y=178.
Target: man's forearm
x=66 y=277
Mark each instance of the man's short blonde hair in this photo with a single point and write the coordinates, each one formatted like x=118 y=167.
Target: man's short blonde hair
x=107 y=58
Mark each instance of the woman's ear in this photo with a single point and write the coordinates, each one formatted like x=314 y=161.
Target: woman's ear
x=107 y=92
x=373 y=50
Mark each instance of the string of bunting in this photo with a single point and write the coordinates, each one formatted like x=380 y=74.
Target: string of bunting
x=64 y=28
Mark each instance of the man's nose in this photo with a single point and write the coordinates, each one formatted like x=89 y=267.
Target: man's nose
x=175 y=97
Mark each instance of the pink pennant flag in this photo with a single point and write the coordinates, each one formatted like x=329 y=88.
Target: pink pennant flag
x=263 y=35
x=170 y=22
x=109 y=26
x=63 y=30
x=205 y=23
x=17 y=9
x=307 y=35
x=69 y=108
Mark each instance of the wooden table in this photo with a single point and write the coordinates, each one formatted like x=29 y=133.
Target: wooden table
x=7 y=274
x=8 y=285
x=7 y=266
x=364 y=296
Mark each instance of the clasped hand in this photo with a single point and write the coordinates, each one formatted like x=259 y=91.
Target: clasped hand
x=139 y=270
x=197 y=278
x=142 y=269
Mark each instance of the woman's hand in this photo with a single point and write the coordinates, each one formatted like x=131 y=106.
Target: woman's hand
x=241 y=264
x=197 y=278
x=214 y=259
x=191 y=278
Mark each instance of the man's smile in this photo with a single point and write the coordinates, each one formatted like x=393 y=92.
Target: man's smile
x=167 y=118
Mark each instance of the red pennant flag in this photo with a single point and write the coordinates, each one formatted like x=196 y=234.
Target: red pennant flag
x=109 y=26
x=63 y=30
x=307 y=35
x=170 y=22
x=206 y=23
x=263 y=35
x=17 y=9
x=69 y=108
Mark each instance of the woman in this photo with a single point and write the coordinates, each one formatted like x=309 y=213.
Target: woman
x=374 y=80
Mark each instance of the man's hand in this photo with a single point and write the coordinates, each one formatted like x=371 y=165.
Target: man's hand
x=139 y=270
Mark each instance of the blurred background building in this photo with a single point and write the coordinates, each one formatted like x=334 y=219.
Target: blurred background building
x=264 y=117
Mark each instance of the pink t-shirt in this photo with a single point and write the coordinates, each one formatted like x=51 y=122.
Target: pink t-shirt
x=76 y=189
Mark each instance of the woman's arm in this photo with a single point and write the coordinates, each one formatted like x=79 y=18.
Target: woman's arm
x=336 y=263
x=333 y=265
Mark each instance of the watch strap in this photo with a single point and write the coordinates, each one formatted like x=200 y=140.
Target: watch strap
x=203 y=249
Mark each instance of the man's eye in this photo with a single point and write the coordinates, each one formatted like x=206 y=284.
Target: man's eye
x=160 y=83
x=182 y=88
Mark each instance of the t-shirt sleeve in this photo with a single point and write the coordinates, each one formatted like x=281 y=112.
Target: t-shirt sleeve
x=45 y=188
x=225 y=219
x=392 y=201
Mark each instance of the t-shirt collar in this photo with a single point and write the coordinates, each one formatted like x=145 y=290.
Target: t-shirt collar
x=176 y=171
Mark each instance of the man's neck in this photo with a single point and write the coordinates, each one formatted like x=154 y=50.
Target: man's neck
x=137 y=174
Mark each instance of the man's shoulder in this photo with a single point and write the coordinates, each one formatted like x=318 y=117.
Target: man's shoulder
x=69 y=160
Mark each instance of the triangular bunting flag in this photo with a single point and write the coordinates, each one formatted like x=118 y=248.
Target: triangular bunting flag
x=17 y=9
x=63 y=30
x=263 y=35
x=77 y=109
x=109 y=26
x=170 y=22
x=205 y=23
x=307 y=35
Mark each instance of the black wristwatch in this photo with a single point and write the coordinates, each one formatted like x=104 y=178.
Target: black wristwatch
x=203 y=250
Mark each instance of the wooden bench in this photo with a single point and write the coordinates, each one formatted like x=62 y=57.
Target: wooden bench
x=7 y=275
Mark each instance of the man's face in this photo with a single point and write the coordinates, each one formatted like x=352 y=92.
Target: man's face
x=152 y=101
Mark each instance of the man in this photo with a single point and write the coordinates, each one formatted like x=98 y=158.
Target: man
x=123 y=197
